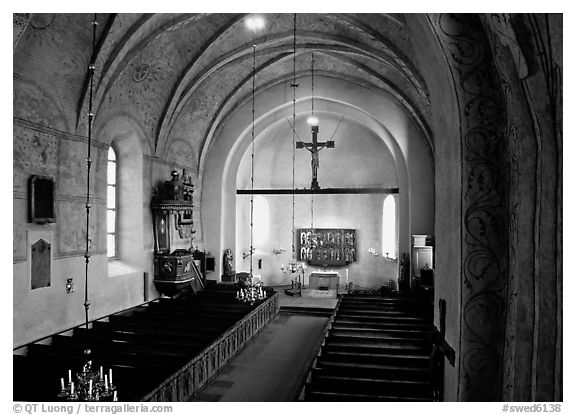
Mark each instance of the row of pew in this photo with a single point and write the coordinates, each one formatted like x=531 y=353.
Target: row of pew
x=377 y=349
x=143 y=345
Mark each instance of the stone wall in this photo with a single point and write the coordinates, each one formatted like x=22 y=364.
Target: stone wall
x=40 y=150
x=499 y=162
x=527 y=53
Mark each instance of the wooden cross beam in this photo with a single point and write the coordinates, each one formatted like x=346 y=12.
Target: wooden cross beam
x=314 y=148
x=325 y=191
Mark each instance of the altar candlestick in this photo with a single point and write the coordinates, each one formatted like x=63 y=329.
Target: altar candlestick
x=106 y=382
x=115 y=398
x=62 y=383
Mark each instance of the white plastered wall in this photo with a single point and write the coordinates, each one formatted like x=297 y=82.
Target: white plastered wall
x=378 y=112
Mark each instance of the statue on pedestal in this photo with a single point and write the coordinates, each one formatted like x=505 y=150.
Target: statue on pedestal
x=227 y=265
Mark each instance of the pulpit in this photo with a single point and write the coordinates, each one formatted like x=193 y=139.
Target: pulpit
x=174 y=265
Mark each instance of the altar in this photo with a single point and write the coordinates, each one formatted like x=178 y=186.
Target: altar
x=322 y=284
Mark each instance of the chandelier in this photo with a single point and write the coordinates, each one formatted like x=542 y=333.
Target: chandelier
x=294 y=267
x=251 y=291
x=89 y=384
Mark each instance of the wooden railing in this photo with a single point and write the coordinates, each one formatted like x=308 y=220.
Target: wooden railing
x=187 y=381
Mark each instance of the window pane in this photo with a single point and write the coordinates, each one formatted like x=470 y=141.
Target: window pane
x=111 y=197
x=111 y=245
x=111 y=154
x=111 y=173
x=111 y=217
x=389 y=238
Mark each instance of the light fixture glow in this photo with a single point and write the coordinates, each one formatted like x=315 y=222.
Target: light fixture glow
x=255 y=23
x=312 y=120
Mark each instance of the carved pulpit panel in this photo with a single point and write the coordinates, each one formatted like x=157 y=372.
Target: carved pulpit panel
x=40 y=264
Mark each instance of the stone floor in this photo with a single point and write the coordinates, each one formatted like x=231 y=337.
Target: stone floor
x=273 y=365
x=308 y=299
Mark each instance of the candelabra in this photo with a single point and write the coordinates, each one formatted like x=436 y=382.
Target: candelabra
x=251 y=291
x=248 y=253
x=89 y=385
x=293 y=267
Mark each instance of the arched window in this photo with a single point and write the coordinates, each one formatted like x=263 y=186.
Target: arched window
x=111 y=205
x=389 y=228
x=261 y=221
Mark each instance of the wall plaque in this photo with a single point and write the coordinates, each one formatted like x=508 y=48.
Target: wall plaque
x=39 y=259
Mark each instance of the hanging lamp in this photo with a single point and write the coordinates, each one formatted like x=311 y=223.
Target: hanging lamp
x=294 y=267
x=251 y=291
x=90 y=384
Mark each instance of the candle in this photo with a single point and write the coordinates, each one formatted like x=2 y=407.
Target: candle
x=106 y=382
x=69 y=376
x=110 y=376
x=346 y=275
x=71 y=388
x=62 y=383
x=101 y=372
x=115 y=399
x=90 y=388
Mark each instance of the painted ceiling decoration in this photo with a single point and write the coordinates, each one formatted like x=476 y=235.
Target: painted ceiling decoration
x=185 y=73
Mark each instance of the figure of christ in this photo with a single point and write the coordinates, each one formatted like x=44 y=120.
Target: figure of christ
x=314 y=148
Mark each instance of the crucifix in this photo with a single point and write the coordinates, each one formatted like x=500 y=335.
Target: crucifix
x=314 y=148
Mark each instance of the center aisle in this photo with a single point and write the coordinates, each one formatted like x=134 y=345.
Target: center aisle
x=273 y=365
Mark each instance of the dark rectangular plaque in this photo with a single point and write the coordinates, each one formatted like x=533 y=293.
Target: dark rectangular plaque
x=41 y=199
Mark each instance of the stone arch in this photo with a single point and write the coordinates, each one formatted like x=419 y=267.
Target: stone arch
x=119 y=126
x=126 y=137
x=218 y=173
x=483 y=196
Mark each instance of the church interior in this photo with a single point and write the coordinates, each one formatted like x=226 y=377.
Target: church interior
x=182 y=183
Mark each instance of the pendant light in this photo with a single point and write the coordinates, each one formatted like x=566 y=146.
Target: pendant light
x=90 y=384
x=294 y=267
x=251 y=291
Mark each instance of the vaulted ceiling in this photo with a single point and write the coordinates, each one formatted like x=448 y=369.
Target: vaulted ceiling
x=182 y=75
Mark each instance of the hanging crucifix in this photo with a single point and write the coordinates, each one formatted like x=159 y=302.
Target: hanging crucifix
x=314 y=148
